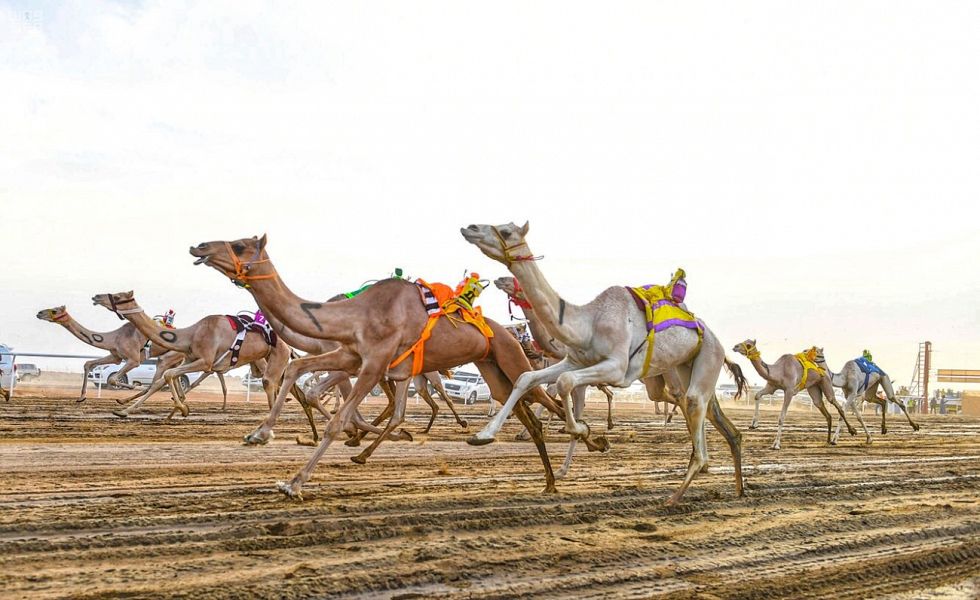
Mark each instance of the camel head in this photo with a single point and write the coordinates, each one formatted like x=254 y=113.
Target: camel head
x=234 y=259
x=507 y=285
x=54 y=315
x=502 y=243
x=816 y=354
x=115 y=301
x=747 y=349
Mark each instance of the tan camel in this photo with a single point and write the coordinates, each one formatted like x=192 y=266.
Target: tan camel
x=315 y=346
x=603 y=340
x=125 y=345
x=860 y=387
x=787 y=374
x=207 y=344
x=373 y=328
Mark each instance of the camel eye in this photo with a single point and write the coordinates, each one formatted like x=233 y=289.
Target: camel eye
x=238 y=248
x=508 y=235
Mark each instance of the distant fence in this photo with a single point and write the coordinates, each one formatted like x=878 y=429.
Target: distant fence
x=13 y=362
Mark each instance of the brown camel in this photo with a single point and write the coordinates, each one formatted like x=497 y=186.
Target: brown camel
x=373 y=328
x=125 y=345
x=207 y=345
x=603 y=341
x=787 y=374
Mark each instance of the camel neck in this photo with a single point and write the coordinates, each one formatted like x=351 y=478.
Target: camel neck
x=544 y=339
x=762 y=369
x=294 y=339
x=318 y=320
x=171 y=339
x=92 y=338
x=554 y=313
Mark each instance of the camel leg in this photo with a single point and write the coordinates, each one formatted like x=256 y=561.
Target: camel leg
x=368 y=375
x=848 y=401
x=886 y=384
x=142 y=397
x=766 y=391
x=105 y=360
x=224 y=390
x=322 y=362
x=424 y=393
x=732 y=436
x=787 y=398
x=578 y=395
x=694 y=417
x=828 y=391
x=816 y=397
x=305 y=402
x=437 y=384
x=499 y=382
x=362 y=428
x=397 y=418
x=128 y=366
x=525 y=435
x=524 y=383
x=609 y=402
x=172 y=375
x=856 y=409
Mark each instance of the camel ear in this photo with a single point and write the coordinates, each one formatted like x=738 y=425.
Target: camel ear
x=525 y=228
x=61 y=308
x=753 y=342
x=262 y=241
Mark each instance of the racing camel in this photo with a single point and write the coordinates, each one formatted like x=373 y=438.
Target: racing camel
x=861 y=385
x=211 y=344
x=372 y=329
x=603 y=340
x=791 y=374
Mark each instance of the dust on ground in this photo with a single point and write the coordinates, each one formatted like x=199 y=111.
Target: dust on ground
x=96 y=506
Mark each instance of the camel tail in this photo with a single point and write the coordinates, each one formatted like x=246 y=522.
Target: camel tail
x=741 y=383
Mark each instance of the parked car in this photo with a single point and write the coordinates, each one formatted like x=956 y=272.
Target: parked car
x=26 y=371
x=141 y=375
x=6 y=366
x=468 y=387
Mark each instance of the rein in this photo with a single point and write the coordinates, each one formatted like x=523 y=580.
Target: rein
x=514 y=300
x=241 y=276
x=64 y=317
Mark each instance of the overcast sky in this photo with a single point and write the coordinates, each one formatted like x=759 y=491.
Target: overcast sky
x=813 y=166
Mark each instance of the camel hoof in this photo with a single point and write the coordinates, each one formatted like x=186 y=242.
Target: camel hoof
x=852 y=431
x=478 y=441
x=120 y=401
x=775 y=447
x=79 y=401
x=550 y=489
x=287 y=489
x=305 y=441
x=522 y=436
x=753 y=426
x=405 y=436
x=354 y=442
x=915 y=428
x=359 y=459
x=257 y=439
x=463 y=424
x=120 y=414
x=602 y=443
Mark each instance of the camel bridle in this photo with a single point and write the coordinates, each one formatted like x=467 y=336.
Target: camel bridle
x=506 y=249
x=751 y=352
x=241 y=276
x=60 y=318
x=115 y=307
x=515 y=300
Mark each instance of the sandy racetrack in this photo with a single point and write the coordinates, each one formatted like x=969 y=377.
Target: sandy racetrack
x=95 y=506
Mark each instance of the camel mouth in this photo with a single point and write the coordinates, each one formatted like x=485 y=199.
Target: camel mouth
x=469 y=235
x=202 y=260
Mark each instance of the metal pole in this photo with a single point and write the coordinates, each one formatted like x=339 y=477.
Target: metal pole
x=925 y=379
x=248 y=389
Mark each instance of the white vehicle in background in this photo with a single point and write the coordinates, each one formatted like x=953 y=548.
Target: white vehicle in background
x=468 y=387
x=6 y=366
x=141 y=375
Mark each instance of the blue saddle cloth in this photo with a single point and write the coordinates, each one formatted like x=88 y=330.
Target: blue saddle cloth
x=868 y=368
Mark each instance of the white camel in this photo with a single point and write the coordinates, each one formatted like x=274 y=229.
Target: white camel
x=605 y=341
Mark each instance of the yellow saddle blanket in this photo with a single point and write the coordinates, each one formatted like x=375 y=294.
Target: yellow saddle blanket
x=661 y=313
x=808 y=365
x=439 y=300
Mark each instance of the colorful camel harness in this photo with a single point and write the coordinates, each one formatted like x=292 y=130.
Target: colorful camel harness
x=244 y=322
x=661 y=313
x=440 y=300
x=806 y=360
